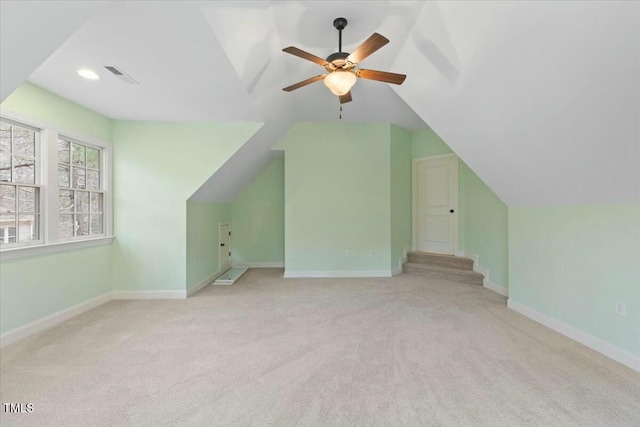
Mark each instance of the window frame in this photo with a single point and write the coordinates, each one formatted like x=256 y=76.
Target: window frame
x=72 y=140
x=40 y=222
x=38 y=184
x=47 y=182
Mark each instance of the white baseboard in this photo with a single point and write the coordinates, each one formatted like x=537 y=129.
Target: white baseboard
x=470 y=255
x=259 y=264
x=337 y=274
x=487 y=283
x=401 y=262
x=58 y=317
x=204 y=282
x=496 y=288
x=51 y=320
x=132 y=295
x=597 y=344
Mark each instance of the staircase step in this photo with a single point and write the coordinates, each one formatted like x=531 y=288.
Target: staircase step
x=441 y=260
x=439 y=272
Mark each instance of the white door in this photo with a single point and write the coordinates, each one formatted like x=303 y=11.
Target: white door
x=436 y=204
x=225 y=246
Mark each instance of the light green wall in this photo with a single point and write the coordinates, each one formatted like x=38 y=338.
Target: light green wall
x=482 y=216
x=400 y=194
x=157 y=167
x=258 y=218
x=203 y=231
x=572 y=262
x=484 y=224
x=37 y=103
x=345 y=189
x=35 y=287
x=427 y=143
x=313 y=216
x=337 y=197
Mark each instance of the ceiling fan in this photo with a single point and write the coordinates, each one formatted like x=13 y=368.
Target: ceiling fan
x=341 y=73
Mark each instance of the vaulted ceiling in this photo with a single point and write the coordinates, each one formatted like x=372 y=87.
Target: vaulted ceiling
x=541 y=99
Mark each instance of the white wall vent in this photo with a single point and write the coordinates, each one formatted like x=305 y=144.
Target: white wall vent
x=121 y=74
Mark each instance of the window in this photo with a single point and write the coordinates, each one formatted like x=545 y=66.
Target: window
x=54 y=187
x=81 y=198
x=19 y=192
x=8 y=233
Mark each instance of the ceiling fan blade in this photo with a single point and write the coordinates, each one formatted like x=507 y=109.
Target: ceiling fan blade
x=381 y=76
x=305 y=55
x=370 y=45
x=303 y=83
x=345 y=98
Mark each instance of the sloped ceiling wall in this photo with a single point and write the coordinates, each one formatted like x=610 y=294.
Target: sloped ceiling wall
x=253 y=33
x=540 y=99
x=168 y=48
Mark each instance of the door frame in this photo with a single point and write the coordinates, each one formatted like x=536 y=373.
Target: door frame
x=414 y=191
x=220 y=225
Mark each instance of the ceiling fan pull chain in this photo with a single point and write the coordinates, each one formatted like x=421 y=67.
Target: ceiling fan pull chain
x=340 y=111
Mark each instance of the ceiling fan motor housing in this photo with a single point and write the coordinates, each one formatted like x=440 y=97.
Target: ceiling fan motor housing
x=338 y=58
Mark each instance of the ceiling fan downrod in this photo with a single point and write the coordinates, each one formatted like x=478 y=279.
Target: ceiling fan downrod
x=340 y=23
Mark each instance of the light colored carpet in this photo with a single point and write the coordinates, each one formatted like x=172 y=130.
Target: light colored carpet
x=404 y=351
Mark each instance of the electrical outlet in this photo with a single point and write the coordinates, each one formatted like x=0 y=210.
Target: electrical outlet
x=372 y=253
x=347 y=253
x=620 y=308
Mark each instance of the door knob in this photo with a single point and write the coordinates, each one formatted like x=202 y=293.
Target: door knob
x=451 y=210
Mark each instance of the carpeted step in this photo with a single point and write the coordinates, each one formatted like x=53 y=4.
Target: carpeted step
x=440 y=260
x=439 y=272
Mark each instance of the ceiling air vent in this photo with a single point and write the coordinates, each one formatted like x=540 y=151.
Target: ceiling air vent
x=121 y=74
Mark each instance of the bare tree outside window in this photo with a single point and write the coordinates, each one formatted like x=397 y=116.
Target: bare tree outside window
x=19 y=194
x=81 y=198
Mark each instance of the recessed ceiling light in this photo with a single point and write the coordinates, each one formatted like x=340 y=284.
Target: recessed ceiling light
x=88 y=74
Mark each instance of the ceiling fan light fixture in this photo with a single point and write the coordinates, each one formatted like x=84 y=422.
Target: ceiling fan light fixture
x=340 y=81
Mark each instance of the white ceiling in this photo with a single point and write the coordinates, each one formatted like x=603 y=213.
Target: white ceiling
x=541 y=99
x=167 y=47
x=310 y=28
x=30 y=31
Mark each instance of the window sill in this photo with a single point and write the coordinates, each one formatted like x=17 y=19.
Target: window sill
x=30 y=251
